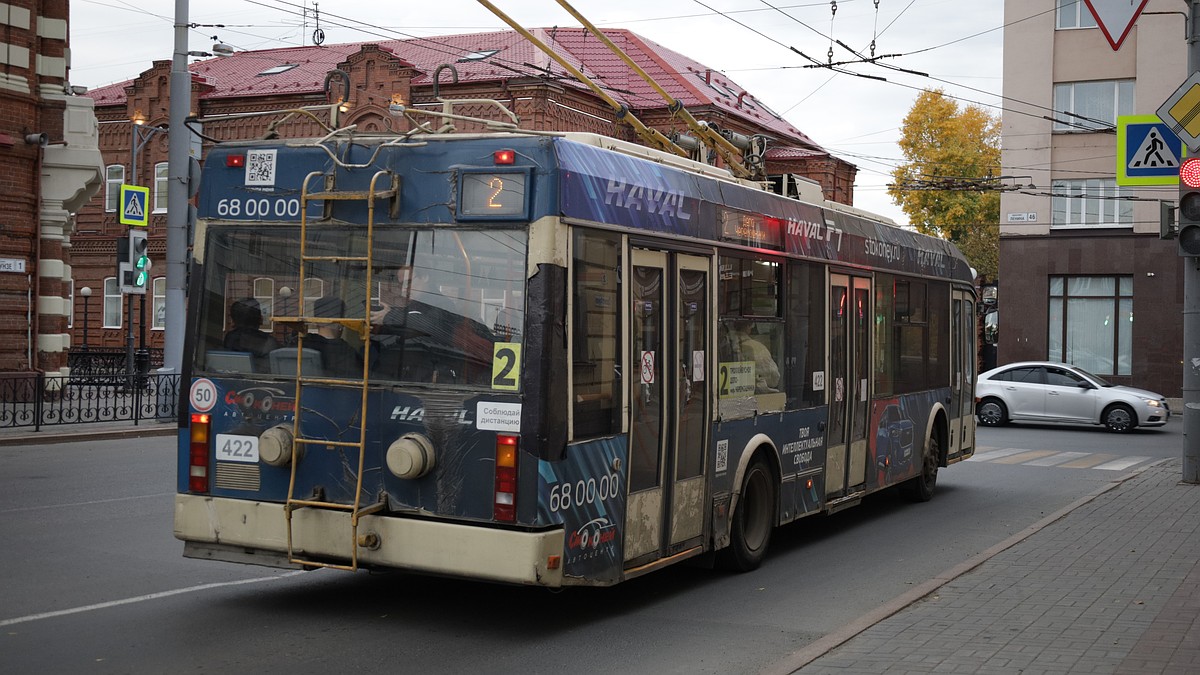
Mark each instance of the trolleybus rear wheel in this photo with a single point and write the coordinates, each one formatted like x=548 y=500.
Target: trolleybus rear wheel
x=920 y=489
x=753 y=520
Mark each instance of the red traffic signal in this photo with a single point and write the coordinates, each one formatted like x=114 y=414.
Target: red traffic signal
x=1189 y=172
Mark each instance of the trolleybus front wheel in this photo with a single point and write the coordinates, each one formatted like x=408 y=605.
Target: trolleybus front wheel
x=753 y=520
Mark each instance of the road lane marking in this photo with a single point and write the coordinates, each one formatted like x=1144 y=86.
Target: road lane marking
x=1119 y=464
x=1058 y=458
x=91 y=503
x=1089 y=462
x=1024 y=457
x=143 y=598
x=989 y=455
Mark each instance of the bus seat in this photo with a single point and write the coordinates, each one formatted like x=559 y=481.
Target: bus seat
x=229 y=362
x=283 y=362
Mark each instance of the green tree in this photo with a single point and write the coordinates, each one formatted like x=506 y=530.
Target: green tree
x=945 y=149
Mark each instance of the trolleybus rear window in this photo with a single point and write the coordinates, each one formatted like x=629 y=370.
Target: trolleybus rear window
x=443 y=307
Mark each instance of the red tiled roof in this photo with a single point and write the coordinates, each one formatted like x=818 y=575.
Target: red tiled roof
x=683 y=78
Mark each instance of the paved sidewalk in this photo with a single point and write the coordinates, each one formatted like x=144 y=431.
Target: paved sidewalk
x=1111 y=584
x=85 y=431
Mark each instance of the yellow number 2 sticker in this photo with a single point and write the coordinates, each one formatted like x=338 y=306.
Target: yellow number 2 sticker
x=506 y=365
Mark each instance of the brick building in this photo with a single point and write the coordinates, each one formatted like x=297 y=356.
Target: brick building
x=369 y=76
x=49 y=167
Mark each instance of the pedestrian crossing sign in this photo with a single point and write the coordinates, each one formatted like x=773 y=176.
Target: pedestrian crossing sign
x=134 y=200
x=1148 y=152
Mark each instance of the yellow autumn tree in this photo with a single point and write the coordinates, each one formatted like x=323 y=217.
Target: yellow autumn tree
x=946 y=149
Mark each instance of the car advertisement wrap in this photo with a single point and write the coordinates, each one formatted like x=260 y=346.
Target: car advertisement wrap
x=585 y=492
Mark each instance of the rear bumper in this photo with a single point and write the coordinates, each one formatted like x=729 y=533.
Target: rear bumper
x=248 y=531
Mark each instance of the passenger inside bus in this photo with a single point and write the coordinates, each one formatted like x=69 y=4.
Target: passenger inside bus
x=422 y=339
x=338 y=357
x=766 y=371
x=246 y=335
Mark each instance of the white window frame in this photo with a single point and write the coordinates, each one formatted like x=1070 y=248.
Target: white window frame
x=159 y=305
x=160 y=187
x=264 y=292
x=1066 y=101
x=1073 y=14
x=114 y=178
x=1090 y=203
x=113 y=295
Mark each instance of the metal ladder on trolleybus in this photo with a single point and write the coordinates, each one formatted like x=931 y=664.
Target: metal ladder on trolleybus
x=362 y=326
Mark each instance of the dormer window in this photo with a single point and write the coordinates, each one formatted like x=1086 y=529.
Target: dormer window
x=282 y=68
x=478 y=56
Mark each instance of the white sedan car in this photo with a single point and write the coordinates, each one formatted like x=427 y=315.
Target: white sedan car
x=1043 y=391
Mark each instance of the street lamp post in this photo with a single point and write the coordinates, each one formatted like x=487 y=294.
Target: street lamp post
x=86 y=292
x=141 y=134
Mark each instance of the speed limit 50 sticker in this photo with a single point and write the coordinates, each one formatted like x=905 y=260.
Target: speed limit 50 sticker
x=203 y=395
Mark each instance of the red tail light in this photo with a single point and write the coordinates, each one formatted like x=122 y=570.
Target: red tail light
x=504 y=499
x=235 y=161
x=198 y=453
x=504 y=156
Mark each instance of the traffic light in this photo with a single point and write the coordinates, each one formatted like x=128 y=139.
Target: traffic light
x=1189 y=207
x=137 y=274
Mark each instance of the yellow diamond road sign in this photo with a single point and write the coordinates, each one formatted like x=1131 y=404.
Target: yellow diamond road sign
x=1181 y=112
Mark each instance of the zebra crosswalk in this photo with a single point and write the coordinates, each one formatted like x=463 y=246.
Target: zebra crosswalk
x=1067 y=460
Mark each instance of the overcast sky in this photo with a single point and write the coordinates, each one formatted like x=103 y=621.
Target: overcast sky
x=955 y=43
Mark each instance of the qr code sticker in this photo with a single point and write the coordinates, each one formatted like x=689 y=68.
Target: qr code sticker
x=722 y=455
x=260 y=167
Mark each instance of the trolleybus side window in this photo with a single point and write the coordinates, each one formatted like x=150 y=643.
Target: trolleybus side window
x=596 y=321
x=750 y=333
x=911 y=354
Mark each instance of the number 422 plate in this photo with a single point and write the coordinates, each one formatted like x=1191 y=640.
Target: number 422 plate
x=233 y=448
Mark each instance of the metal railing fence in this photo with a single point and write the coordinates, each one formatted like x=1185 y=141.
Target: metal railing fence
x=37 y=399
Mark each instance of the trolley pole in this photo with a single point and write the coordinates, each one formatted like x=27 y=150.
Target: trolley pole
x=1191 y=309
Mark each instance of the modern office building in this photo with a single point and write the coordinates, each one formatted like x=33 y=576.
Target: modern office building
x=1080 y=253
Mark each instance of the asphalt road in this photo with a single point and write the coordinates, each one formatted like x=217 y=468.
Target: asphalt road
x=94 y=580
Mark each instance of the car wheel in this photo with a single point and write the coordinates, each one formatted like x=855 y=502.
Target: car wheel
x=1119 y=418
x=991 y=412
x=753 y=520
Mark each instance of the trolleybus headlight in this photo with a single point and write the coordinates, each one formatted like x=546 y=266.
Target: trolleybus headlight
x=275 y=445
x=410 y=456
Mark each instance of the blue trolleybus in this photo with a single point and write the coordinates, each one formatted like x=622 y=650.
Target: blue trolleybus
x=548 y=359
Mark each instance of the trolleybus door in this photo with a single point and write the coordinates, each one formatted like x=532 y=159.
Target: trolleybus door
x=670 y=348
x=848 y=383
x=963 y=360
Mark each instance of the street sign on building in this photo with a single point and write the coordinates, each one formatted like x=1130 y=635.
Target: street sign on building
x=1148 y=152
x=134 y=203
x=1181 y=112
x=1116 y=17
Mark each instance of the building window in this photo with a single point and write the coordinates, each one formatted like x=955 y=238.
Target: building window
x=264 y=293
x=1091 y=323
x=112 y=303
x=159 y=306
x=114 y=177
x=1074 y=14
x=160 y=187
x=1091 y=202
x=1091 y=106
